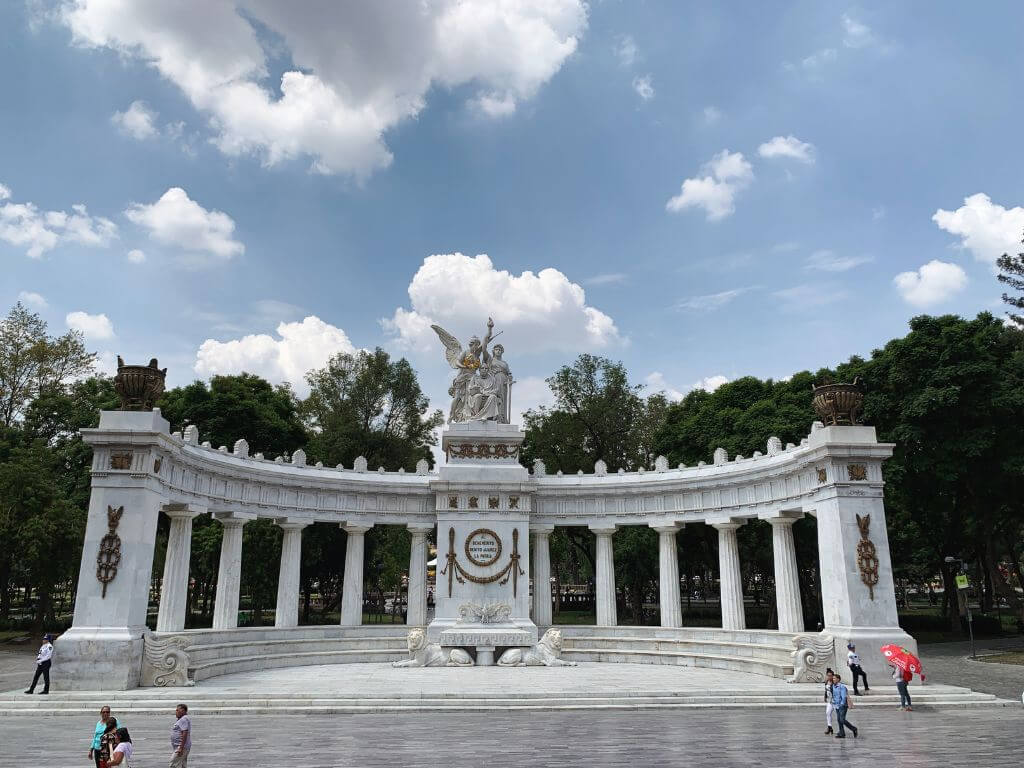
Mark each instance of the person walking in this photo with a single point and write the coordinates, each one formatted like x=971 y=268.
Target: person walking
x=43 y=665
x=106 y=744
x=841 y=701
x=853 y=662
x=902 y=678
x=829 y=709
x=181 y=737
x=97 y=735
x=123 y=749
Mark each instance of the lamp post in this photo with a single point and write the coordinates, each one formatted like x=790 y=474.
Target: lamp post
x=967 y=600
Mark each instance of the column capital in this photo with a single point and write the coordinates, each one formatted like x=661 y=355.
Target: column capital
x=357 y=528
x=541 y=529
x=725 y=524
x=187 y=511
x=292 y=523
x=603 y=530
x=420 y=529
x=232 y=519
x=672 y=528
x=782 y=518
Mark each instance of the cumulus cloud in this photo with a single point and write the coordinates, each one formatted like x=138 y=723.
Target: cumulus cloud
x=177 y=220
x=724 y=176
x=607 y=278
x=299 y=348
x=643 y=87
x=933 y=283
x=542 y=311
x=655 y=382
x=38 y=231
x=360 y=69
x=710 y=301
x=135 y=256
x=809 y=296
x=33 y=299
x=711 y=383
x=830 y=261
x=789 y=147
x=93 y=327
x=986 y=229
x=138 y=121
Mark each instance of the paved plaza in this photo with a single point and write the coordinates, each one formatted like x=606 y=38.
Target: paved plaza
x=792 y=738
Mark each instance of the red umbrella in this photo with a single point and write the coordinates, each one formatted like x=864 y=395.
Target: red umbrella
x=902 y=659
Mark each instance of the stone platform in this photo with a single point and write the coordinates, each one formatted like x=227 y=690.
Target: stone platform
x=379 y=688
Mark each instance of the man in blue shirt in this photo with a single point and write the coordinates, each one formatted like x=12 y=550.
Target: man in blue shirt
x=841 y=701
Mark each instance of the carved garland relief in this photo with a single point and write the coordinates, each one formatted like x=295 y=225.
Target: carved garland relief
x=109 y=556
x=867 y=559
x=475 y=548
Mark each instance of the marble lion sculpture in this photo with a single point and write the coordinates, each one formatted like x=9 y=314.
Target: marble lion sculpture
x=424 y=654
x=543 y=654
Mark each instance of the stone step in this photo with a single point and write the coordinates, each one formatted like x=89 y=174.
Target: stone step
x=735 y=663
x=230 y=666
x=780 y=654
x=199 y=654
x=712 y=634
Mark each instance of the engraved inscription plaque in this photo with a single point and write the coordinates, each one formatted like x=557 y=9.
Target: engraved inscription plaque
x=483 y=547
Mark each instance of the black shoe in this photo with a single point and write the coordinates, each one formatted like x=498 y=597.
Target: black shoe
x=828 y=731
x=43 y=693
x=856 y=693
x=29 y=691
x=840 y=736
x=855 y=732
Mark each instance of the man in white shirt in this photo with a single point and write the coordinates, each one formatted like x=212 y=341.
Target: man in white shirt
x=853 y=662
x=43 y=665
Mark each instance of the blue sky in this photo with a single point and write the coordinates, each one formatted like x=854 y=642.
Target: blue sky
x=701 y=190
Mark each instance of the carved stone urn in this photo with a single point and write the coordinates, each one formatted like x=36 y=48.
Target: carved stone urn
x=839 y=404
x=139 y=386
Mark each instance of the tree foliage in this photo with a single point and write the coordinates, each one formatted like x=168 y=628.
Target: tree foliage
x=1011 y=273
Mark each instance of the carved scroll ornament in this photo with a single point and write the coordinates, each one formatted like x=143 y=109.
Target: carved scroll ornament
x=109 y=556
x=813 y=655
x=164 y=662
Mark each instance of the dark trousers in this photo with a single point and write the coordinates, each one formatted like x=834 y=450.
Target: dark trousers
x=841 y=717
x=856 y=671
x=44 y=670
x=901 y=686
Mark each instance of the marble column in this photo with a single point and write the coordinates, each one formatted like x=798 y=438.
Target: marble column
x=730 y=582
x=287 y=612
x=352 y=586
x=174 y=589
x=668 y=577
x=416 y=614
x=229 y=573
x=787 y=581
x=542 y=574
x=605 y=577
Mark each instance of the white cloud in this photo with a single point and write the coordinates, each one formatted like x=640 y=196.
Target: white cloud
x=179 y=221
x=529 y=393
x=626 y=51
x=655 y=382
x=711 y=383
x=643 y=87
x=537 y=311
x=813 y=64
x=360 y=69
x=712 y=115
x=933 y=283
x=724 y=176
x=856 y=33
x=787 y=146
x=986 y=229
x=809 y=296
x=137 y=121
x=33 y=299
x=135 y=256
x=93 y=327
x=711 y=300
x=301 y=347
x=23 y=224
x=830 y=261
x=607 y=278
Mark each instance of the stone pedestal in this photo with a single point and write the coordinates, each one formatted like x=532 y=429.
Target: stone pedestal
x=482 y=496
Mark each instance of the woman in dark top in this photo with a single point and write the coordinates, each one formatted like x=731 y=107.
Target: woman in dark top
x=106 y=744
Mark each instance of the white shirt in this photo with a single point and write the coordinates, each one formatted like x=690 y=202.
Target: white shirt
x=45 y=652
x=852 y=659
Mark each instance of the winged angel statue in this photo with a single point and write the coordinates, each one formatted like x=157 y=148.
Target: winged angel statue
x=483 y=382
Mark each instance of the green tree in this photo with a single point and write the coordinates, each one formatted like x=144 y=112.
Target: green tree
x=235 y=407
x=368 y=405
x=32 y=361
x=1011 y=273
